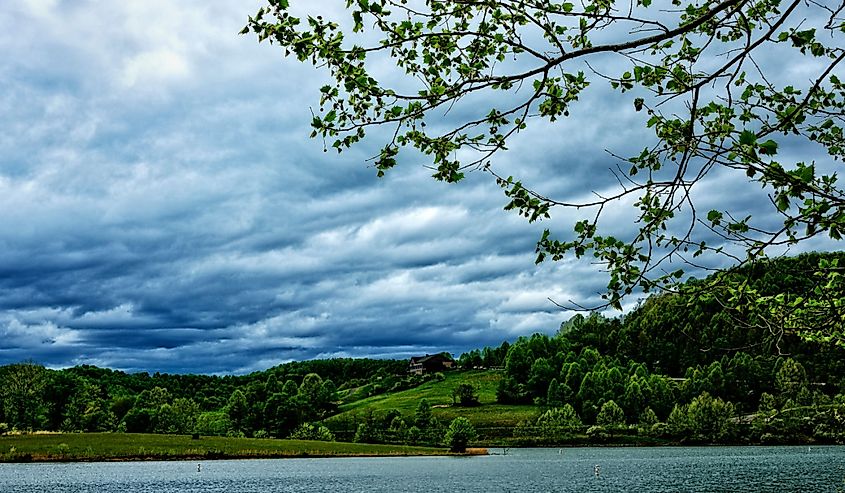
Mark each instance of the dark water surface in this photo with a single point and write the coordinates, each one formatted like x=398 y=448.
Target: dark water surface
x=682 y=469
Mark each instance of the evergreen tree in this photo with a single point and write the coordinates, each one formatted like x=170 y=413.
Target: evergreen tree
x=648 y=418
x=678 y=423
x=553 y=394
x=634 y=400
x=790 y=379
x=423 y=418
x=237 y=410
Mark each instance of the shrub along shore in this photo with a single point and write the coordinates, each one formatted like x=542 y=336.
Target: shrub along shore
x=74 y=447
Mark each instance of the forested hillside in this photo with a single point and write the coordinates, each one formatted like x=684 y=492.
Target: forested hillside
x=272 y=402
x=680 y=358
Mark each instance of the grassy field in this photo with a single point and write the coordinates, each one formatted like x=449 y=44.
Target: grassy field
x=131 y=446
x=439 y=394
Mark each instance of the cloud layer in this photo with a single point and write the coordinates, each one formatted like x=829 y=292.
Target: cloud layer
x=163 y=208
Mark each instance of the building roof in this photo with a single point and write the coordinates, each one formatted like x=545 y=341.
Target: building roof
x=428 y=357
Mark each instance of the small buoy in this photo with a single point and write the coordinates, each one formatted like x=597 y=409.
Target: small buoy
x=199 y=467
x=597 y=470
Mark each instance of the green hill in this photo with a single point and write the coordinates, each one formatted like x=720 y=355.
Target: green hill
x=490 y=418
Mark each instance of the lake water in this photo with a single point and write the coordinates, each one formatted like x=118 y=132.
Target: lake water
x=682 y=469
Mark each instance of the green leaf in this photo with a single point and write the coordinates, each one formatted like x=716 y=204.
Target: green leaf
x=714 y=216
x=638 y=104
x=747 y=137
x=769 y=148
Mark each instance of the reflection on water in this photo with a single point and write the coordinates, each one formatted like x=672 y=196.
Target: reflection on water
x=704 y=469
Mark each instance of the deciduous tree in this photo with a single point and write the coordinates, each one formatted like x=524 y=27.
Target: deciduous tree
x=21 y=394
x=459 y=434
x=465 y=394
x=710 y=418
x=705 y=77
x=611 y=416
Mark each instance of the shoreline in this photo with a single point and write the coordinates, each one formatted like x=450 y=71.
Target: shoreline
x=116 y=447
x=200 y=458
x=495 y=450
x=130 y=447
x=37 y=458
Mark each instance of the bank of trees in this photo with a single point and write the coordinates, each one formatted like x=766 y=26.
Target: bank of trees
x=708 y=406
x=275 y=402
x=286 y=401
x=684 y=367
x=486 y=357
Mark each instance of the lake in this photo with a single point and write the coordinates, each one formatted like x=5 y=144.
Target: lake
x=664 y=469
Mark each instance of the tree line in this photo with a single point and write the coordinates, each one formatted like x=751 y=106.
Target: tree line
x=274 y=402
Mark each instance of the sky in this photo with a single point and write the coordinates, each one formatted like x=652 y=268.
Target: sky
x=163 y=208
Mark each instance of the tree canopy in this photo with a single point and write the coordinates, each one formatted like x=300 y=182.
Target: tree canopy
x=705 y=75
